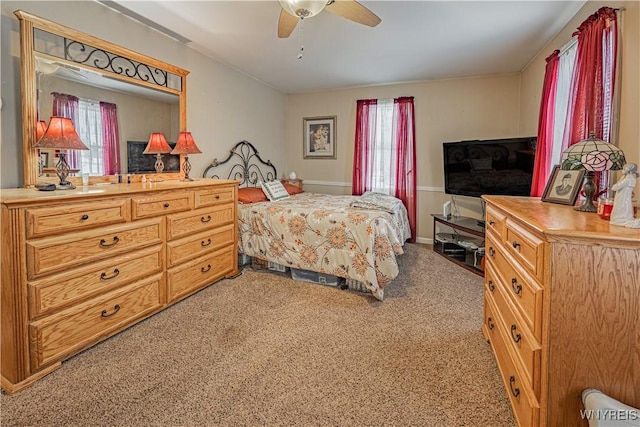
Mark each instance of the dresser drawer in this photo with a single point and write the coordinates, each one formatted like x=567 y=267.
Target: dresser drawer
x=70 y=287
x=214 y=196
x=161 y=204
x=526 y=248
x=180 y=225
x=53 y=254
x=525 y=405
x=180 y=250
x=524 y=346
x=194 y=274
x=57 y=336
x=78 y=216
x=494 y=222
x=524 y=291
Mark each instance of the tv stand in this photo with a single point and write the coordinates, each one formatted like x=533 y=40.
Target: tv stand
x=462 y=243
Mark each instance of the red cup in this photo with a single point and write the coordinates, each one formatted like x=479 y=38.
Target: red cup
x=605 y=205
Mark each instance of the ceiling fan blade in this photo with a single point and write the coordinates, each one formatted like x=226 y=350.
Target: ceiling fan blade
x=354 y=11
x=286 y=24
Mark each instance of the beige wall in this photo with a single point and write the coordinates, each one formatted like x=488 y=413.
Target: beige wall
x=446 y=110
x=533 y=75
x=223 y=106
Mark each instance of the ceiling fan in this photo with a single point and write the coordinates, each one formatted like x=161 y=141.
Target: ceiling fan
x=294 y=11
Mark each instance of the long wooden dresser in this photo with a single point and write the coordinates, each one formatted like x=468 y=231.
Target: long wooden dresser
x=562 y=307
x=81 y=265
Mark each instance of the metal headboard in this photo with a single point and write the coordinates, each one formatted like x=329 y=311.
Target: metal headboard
x=247 y=166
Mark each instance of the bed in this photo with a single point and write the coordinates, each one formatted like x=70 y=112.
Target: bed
x=357 y=238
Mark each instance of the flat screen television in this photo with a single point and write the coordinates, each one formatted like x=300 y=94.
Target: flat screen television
x=491 y=166
x=140 y=163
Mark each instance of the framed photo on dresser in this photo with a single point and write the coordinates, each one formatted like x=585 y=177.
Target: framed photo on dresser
x=563 y=186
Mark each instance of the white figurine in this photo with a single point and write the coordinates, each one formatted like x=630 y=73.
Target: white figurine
x=622 y=212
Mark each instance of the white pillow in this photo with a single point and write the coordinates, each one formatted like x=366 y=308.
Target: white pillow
x=274 y=190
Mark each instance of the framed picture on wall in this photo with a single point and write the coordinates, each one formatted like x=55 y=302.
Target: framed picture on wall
x=563 y=186
x=319 y=137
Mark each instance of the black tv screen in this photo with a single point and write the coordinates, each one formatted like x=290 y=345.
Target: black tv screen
x=492 y=166
x=140 y=163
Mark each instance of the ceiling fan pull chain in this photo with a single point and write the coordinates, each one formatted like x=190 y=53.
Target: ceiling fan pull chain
x=301 y=38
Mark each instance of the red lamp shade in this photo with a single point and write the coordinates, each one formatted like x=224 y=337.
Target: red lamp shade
x=185 y=144
x=60 y=134
x=157 y=144
x=41 y=128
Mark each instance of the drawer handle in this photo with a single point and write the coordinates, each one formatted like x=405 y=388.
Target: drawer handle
x=490 y=323
x=514 y=391
x=491 y=285
x=517 y=337
x=104 y=244
x=205 y=220
x=207 y=243
x=116 y=308
x=84 y=217
x=517 y=288
x=104 y=276
x=166 y=205
x=491 y=222
x=492 y=251
x=516 y=245
x=217 y=197
x=204 y=270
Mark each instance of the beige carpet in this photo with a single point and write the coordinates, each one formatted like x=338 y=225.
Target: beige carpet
x=264 y=350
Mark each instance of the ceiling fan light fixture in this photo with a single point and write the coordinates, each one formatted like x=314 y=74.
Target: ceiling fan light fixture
x=303 y=8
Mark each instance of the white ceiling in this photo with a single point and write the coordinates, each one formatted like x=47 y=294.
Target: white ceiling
x=416 y=40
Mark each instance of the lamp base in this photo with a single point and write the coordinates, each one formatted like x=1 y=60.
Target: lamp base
x=186 y=168
x=589 y=189
x=586 y=207
x=66 y=186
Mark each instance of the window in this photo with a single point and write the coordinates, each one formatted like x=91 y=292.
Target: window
x=89 y=129
x=383 y=150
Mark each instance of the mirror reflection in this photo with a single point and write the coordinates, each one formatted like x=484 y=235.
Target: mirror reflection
x=112 y=117
x=112 y=94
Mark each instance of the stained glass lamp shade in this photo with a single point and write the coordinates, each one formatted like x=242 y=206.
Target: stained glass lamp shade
x=61 y=135
x=186 y=145
x=592 y=155
x=157 y=145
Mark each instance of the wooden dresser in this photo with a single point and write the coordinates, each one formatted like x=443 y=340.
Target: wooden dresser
x=81 y=265
x=562 y=307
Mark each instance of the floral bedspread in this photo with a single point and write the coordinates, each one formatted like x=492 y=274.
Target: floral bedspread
x=322 y=233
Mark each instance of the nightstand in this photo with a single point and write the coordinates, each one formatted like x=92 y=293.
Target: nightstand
x=296 y=182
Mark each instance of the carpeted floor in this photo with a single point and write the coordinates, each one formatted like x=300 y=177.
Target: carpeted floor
x=264 y=350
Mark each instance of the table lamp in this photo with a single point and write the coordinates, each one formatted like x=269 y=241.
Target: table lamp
x=592 y=155
x=157 y=145
x=60 y=134
x=186 y=145
x=41 y=128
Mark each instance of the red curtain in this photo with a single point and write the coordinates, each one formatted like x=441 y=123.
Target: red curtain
x=541 y=168
x=403 y=182
x=110 y=138
x=404 y=136
x=591 y=99
x=363 y=152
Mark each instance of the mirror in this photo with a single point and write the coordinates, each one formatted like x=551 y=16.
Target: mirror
x=150 y=96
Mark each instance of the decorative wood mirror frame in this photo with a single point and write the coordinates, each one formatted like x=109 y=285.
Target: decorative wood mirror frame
x=28 y=25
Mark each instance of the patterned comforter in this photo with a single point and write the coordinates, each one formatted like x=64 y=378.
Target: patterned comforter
x=323 y=233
